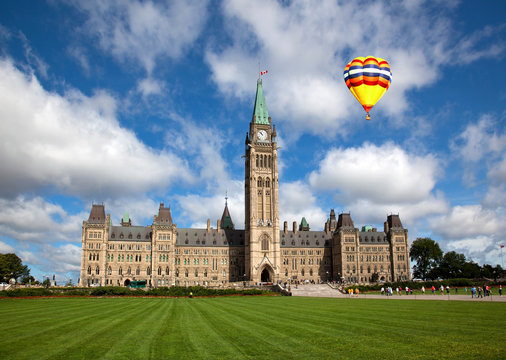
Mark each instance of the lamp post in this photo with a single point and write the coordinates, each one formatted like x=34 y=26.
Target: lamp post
x=502 y=262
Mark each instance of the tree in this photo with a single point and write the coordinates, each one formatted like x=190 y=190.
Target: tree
x=427 y=254
x=452 y=265
x=11 y=267
x=471 y=270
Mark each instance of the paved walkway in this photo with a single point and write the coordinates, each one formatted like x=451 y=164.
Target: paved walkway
x=323 y=290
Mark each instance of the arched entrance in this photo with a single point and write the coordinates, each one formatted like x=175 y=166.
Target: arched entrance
x=265 y=276
x=127 y=282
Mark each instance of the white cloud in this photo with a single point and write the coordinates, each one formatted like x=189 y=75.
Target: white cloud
x=296 y=200
x=150 y=86
x=469 y=221
x=37 y=221
x=380 y=174
x=305 y=46
x=144 y=31
x=73 y=143
x=6 y=248
x=479 y=140
x=199 y=208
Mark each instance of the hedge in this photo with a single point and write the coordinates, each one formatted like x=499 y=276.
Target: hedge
x=125 y=291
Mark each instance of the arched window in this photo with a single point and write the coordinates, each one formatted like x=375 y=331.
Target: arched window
x=109 y=271
x=90 y=256
x=89 y=270
x=97 y=270
x=269 y=161
x=196 y=273
x=310 y=272
x=120 y=271
x=224 y=273
x=177 y=272
x=148 y=271
x=259 y=182
x=159 y=270
x=267 y=183
x=265 y=243
x=129 y=271
x=137 y=271
x=302 y=272
x=368 y=269
x=257 y=161
x=167 y=270
x=186 y=273
x=265 y=160
x=261 y=161
x=205 y=273
x=286 y=272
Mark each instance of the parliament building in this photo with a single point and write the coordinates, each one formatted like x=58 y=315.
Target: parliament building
x=264 y=251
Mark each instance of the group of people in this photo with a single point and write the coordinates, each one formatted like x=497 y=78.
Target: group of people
x=351 y=292
x=475 y=291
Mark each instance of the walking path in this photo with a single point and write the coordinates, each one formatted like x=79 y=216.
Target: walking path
x=323 y=290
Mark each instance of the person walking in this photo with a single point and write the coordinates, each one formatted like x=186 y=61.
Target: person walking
x=423 y=290
x=473 y=292
x=500 y=290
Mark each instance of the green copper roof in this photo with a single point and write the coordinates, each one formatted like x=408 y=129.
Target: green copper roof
x=304 y=222
x=126 y=218
x=260 y=113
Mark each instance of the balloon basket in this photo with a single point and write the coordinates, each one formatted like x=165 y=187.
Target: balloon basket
x=368 y=117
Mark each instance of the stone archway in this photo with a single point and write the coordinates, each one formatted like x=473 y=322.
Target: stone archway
x=267 y=274
x=127 y=282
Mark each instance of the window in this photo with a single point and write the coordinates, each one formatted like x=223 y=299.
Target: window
x=159 y=270
x=267 y=182
x=129 y=271
x=120 y=271
x=137 y=271
x=205 y=273
x=109 y=271
x=196 y=273
x=89 y=270
x=148 y=271
x=259 y=182
x=97 y=270
x=167 y=270
x=265 y=243
x=224 y=273
x=186 y=273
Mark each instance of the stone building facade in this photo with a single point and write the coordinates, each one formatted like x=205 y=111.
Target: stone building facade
x=164 y=255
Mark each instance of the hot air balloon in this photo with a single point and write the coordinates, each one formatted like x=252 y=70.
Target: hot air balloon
x=368 y=78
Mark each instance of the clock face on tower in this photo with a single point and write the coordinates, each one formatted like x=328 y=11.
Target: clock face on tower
x=262 y=135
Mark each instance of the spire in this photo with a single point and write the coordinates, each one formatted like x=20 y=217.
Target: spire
x=226 y=220
x=260 y=112
x=126 y=220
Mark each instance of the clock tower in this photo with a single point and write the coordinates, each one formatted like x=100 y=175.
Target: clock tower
x=262 y=246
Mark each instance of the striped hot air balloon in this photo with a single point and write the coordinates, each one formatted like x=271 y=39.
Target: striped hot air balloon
x=368 y=78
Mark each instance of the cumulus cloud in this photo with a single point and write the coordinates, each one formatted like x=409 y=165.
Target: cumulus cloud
x=378 y=173
x=198 y=208
x=144 y=31
x=73 y=143
x=296 y=200
x=37 y=221
x=305 y=46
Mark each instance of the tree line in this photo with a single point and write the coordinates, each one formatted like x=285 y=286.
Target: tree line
x=432 y=264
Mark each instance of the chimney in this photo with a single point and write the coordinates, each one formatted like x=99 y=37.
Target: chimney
x=327 y=228
x=285 y=227
x=208 y=225
x=218 y=223
x=295 y=227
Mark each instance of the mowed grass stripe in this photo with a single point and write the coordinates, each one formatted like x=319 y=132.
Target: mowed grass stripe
x=250 y=327
x=71 y=328
x=257 y=333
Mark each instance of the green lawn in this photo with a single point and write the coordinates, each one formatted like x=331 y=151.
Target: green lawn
x=261 y=327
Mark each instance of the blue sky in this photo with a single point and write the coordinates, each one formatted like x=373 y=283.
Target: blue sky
x=133 y=103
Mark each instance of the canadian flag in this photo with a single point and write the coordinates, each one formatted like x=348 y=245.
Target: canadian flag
x=263 y=72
